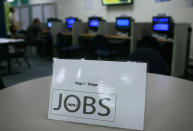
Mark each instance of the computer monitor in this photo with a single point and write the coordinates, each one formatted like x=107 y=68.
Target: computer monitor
x=51 y=20
x=93 y=23
x=163 y=25
x=123 y=24
x=70 y=21
x=49 y=24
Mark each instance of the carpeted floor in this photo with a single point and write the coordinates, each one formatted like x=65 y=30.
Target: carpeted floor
x=39 y=67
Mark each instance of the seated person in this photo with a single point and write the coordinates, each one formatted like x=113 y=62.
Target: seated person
x=39 y=37
x=32 y=32
x=148 y=41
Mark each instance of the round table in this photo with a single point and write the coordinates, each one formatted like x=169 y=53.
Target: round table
x=169 y=107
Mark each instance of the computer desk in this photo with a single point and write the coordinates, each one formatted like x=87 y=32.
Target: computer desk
x=107 y=36
x=69 y=36
x=119 y=43
x=122 y=44
x=67 y=33
x=163 y=40
x=118 y=37
x=85 y=42
x=169 y=107
x=87 y=36
x=166 y=46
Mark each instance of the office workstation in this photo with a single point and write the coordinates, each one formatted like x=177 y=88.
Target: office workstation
x=100 y=65
x=117 y=33
x=126 y=38
x=165 y=35
x=120 y=34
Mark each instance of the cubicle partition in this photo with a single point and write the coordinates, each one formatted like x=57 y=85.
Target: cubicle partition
x=55 y=29
x=79 y=28
x=179 y=44
x=123 y=42
x=82 y=27
x=139 y=30
x=84 y=38
x=109 y=28
x=180 y=49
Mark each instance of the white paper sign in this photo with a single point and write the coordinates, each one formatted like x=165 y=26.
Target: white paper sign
x=99 y=93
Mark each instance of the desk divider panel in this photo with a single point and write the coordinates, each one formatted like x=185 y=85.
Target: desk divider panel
x=101 y=29
x=80 y=27
x=132 y=45
x=180 y=45
x=75 y=33
x=108 y=28
x=180 y=42
x=139 y=29
x=56 y=28
x=83 y=27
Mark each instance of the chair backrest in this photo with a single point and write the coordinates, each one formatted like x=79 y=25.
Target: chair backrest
x=62 y=40
x=100 y=42
x=148 y=42
x=155 y=61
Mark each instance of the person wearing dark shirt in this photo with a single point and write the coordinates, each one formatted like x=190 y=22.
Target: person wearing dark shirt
x=39 y=37
x=32 y=32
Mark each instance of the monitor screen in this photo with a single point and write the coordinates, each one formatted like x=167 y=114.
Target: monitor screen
x=123 y=24
x=161 y=19
x=161 y=27
x=94 y=23
x=161 y=24
x=50 y=24
x=70 y=22
x=116 y=2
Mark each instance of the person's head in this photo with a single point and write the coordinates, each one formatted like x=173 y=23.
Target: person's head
x=12 y=10
x=36 y=21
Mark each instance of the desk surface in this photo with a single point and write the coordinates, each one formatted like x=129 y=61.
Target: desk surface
x=108 y=36
x=169 y=107
x=159 y=39
x=87 y=35
x=118 y=37
x=6 y=40
x=67 y=33
x=164 y=40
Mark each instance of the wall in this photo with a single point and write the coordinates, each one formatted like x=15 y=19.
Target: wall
x=41 y=1
x=141 y=10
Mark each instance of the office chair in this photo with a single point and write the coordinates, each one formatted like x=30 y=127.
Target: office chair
x=44 y=44
x=64 y=48
x=153 y=58
x=148 y=41
x=102 y=48
x=20 y=52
